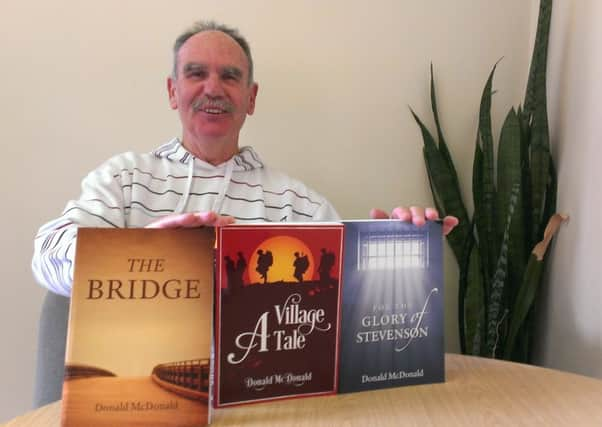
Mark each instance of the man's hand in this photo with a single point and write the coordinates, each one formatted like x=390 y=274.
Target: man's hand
x=191 y=220
x=416 y=215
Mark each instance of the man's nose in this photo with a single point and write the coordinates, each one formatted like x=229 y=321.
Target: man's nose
x=213 y=86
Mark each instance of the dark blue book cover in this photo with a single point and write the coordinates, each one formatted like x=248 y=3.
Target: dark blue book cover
x=392 y=309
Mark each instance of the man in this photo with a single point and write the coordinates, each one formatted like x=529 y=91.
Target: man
x=203 y=179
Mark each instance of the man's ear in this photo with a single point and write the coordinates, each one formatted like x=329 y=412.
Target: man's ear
x=252 y=97
x=171 y=92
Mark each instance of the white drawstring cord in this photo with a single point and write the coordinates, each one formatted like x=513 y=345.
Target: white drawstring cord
x=186 y=195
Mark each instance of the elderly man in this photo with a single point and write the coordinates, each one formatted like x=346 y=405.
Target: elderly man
x=204 y=178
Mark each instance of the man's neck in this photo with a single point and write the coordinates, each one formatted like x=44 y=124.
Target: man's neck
x=213 y=152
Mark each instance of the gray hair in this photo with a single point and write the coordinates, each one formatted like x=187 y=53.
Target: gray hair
x=201 y=26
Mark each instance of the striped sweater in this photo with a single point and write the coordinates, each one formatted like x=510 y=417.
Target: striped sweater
x=132 y=190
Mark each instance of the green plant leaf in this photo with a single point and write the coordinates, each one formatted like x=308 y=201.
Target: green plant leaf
x=528 y=242
x=530 y=284
x=523 y=342
x=540 y=169
x=510 y=169
x=496 y=308
x=524 y=301
x=535 y=108
x=550 y=203
x=434 y=192
x=460 y=236
x=509 y=164
x=488 y=239
x=477 y=193
x=473 y=307
x=442 y=144
x=537 y=70
x=462 y=287
x=446 y=191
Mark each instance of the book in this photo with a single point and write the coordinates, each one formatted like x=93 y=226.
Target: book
x=140 y=328
x=277 y=311
x=392 y=310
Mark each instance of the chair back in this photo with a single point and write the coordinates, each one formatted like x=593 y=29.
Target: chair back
x=52 y=337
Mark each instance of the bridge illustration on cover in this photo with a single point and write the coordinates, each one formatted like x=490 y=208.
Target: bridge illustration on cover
x=187 y=378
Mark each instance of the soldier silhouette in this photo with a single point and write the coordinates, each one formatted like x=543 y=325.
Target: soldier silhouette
x=301 y=265
x=264 y=262
x=241 y=265
x=326 y=263
x=230 y=272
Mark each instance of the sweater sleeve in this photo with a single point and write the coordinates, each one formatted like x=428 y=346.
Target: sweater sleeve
x=101 y=204
x=326 y=212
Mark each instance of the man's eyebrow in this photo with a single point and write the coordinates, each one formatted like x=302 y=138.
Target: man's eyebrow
x=194 y=66
x=232 y=70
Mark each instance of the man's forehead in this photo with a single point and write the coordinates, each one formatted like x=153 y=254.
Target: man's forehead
x=212 y=45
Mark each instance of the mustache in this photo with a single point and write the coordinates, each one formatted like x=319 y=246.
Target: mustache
x=204 y=102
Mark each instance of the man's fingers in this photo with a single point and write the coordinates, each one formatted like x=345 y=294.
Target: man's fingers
x=205 y=218
x=449 y=222
x=173 y=221
x=192 y=219
x=224 y=220
x=417 y=215
x=402 y=213
x=431 y=214
x=378 y=214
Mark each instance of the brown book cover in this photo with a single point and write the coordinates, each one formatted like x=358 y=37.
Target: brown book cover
x=277 y=311
x=140 y=328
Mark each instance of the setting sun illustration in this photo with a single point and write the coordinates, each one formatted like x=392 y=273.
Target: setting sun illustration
x=283 y=250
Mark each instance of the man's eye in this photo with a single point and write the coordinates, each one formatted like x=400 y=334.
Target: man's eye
x=195 y=73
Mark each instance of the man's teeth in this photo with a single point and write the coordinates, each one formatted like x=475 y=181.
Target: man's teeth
x=213 y=110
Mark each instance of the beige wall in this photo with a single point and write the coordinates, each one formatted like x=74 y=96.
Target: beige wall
x=83 y=80
x=571 y=319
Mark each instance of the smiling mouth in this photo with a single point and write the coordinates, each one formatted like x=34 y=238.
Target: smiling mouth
x=214 y=107
x=213 y=110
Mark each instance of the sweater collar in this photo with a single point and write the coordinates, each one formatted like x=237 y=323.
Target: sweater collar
x=245 y=160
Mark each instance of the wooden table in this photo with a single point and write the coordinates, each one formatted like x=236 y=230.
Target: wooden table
x=477 y=392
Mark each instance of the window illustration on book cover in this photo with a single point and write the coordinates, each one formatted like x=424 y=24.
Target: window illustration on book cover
x=139 y=334
x=277 y=311
x=392 y=312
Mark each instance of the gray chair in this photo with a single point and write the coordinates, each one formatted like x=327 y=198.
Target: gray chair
x=52 y=336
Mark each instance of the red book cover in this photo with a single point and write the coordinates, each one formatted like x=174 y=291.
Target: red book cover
x=277 y=311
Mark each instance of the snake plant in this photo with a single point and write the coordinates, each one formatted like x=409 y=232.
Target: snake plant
x=501 y=249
